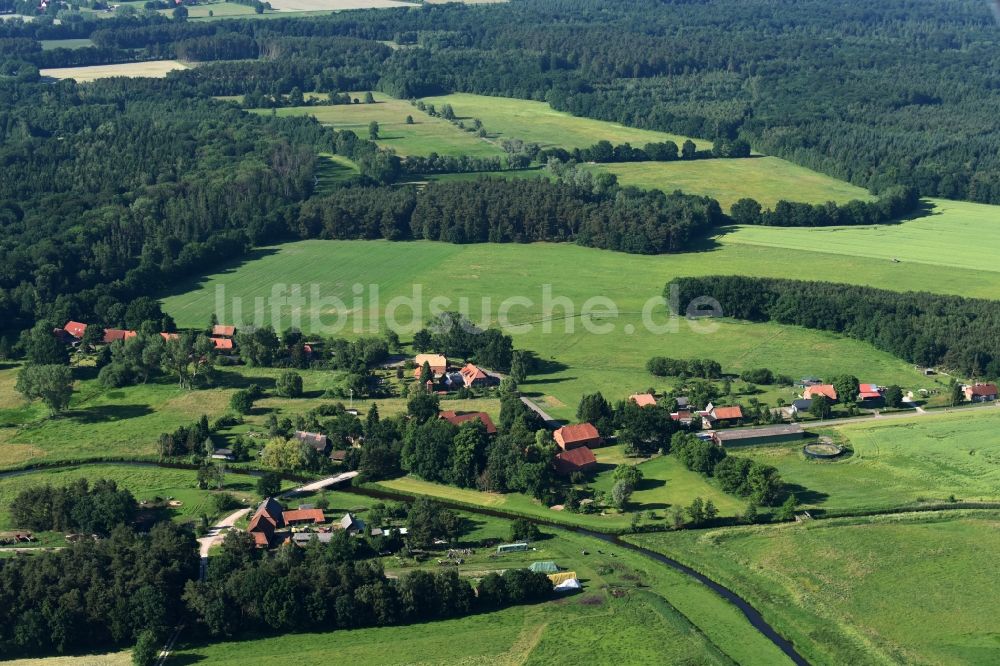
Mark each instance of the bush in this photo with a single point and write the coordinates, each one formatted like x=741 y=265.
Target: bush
x=241 y=402
x=146 y=649
x=289 y=385
x=225 y=502
x=524 y=530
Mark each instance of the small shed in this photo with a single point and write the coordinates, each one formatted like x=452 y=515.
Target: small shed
x=544 y=567
x=511 y=548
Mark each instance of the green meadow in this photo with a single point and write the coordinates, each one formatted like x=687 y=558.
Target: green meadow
x=954 y=234
x=766 y=179
x=897 y=589
x=577 y=360
x=537 y=122
x=926 y=458
x=426 y=135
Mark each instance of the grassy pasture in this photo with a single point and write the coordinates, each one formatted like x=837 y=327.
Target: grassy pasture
x=579 y=361
x=426 y=135
x=538 y=122
x=954 y=234
x=766 y=179
x=898 y=462
x=156 y=69
x=333 y=170
x=907 y=588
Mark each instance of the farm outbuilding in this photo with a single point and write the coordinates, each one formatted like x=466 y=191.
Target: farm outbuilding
x=511 y=548
x=753 y=436
x=562 y=577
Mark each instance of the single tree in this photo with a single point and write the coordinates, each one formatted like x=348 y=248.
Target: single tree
x=289 y=385
x=787 y=509
x=820 y=407
x=409 y=120
x=146 y=649
x=52 y=384
x=369 y=98
x=688 y=150
x=893 y=396
x=373 y=130
x=269 y=485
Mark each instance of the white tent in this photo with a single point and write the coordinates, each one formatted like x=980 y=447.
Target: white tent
x=568 y=585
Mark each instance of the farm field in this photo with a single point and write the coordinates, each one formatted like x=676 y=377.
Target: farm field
x=955 y=233
x=49 y=44
x=648 y=619
x=156 y=69
x=537 y=122
x=905 y=588
x=335 y=5
x=766 y=179
x=144 y=482
x=580 y=361
x=898 y=463
x=427 y=134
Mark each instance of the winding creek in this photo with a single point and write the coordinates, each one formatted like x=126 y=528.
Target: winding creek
x=752 y=614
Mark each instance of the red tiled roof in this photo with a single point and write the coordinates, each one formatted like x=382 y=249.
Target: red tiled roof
x=573 y=460
x=224 y=331
x=643 y=399
x=682 y=415
x=869 y=395
x=821 y=389
x=868 y=388
x=261 y=539
x=581 y=433
x=471 y=373
x=304 y=516
x=727 y=412
x=458 y=419
x=982 y=389
x=114 y=334
x=75 y=329
x=438 y=363
x=222 y=343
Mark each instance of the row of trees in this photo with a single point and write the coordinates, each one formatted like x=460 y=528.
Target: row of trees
x=892 y=205
x=752 y=479
x=926 y=329
x=319 y=588
x=79 y=507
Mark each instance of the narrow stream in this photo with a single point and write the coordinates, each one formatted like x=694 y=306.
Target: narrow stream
x=751 y=613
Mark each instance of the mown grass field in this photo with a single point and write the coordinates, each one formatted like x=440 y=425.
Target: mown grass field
x=48 y=44
x=766 y=179
x=655 y=616
x=427 y=134
x=580 y=361
x=537 y=122
x=901 y=589
x=156 y=69
x=954 y=234
x=899 y=462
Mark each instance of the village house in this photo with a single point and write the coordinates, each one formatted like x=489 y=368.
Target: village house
x=456 y=418
x=222 y=344
x=76 y=329
x=318 y=441
x=720 y=417
x=116 y=334
x=981 y=392
x=820 y=389
x=574 y=436
x=473 y=377
x=222 y=331
x=270 y=517
x=643 y=399
x=870 y=396
x=685 y=416
x=438 y=363
x=580 y=459
x=351 y=525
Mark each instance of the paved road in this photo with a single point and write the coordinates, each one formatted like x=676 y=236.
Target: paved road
x=549 y=420
x=918 y=411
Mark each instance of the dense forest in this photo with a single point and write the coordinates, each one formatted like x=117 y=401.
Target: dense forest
x=590 y=211
x=918 y=107
x=961 y=334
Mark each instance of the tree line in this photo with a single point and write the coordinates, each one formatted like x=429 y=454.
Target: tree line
x=893 y=204
x=961 y=334
x=78 y=507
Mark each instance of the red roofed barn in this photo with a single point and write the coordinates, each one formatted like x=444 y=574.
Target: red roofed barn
x=981 y=392
x=473 y=376
x=576 y=460
x=75 y=328
x=820 y=389
x=455 y=418
x=643 y=399
x=574 y=436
